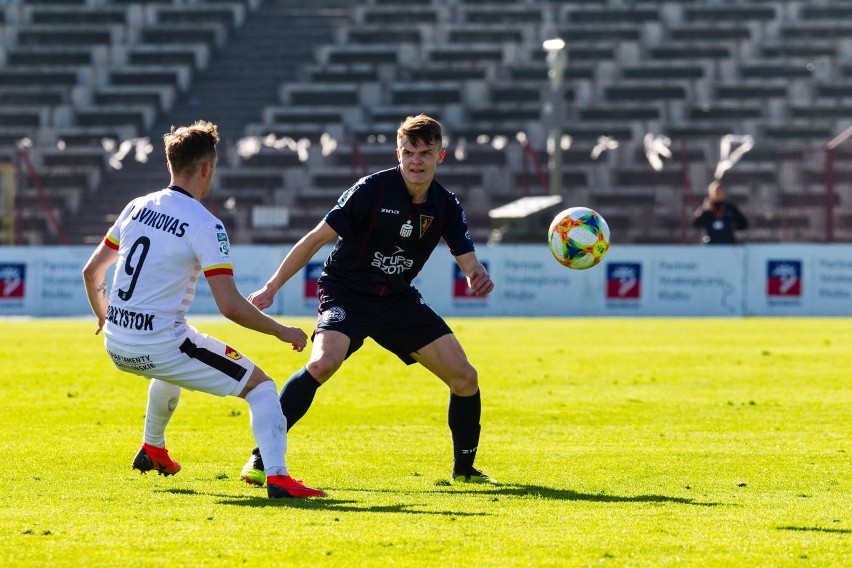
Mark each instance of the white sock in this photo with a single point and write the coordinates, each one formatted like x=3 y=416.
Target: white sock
x=163 y=398
x=269 y=427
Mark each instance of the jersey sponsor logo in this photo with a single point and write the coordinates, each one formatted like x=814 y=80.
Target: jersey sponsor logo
x=232 y=353
x=393 y=263
x=12 y=280
x=333 y=314
x=391 y=211
x=425 y=223
x=623 y=281
x=157 y=220
x=406 y=229
x=140 y=363
x=129 y=319
x=784 y=278
x=224 y=244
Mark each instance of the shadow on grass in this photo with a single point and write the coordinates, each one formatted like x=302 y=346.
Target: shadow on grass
x=815 y=529
x=343 y=506
x=559 y=494
x=556 y=494
x=537 y=491
x=178 y=491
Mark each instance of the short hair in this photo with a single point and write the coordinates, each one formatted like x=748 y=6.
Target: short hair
x=715 y=185
x=420 y=129
x=188 y=146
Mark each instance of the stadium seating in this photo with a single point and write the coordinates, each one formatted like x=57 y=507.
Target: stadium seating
x=76 y=72
x=74 y=75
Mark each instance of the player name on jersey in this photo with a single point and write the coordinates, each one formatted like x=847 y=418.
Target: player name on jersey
x=161 y=221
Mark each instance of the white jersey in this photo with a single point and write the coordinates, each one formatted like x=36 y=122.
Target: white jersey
x=164 y=240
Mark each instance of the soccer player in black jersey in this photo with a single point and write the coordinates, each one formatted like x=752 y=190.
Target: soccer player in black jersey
x=385 y=227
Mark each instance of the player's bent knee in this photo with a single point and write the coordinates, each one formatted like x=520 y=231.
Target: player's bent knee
x=322 y=369
x=466 y=383
x=258 y=377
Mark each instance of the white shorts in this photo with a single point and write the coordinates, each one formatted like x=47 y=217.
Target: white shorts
x=195 y=362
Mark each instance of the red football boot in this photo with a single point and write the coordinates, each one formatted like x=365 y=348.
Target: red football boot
x=281 y=486
x=151 y=457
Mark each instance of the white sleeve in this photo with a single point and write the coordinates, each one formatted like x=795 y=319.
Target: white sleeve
x=212 y=249
x=113 y=235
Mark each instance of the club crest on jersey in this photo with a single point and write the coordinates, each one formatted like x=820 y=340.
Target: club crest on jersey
x=232 y=353
x=224 y=245
x=333 y=314
x=425 y=222
x=406 y=229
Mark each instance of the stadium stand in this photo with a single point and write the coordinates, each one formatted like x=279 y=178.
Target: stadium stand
x=308 y=98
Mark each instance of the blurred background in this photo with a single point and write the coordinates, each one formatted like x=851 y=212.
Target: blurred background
x=629 y=107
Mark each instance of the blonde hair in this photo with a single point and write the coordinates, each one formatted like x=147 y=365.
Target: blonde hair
x=188 y=146
x=715 y=186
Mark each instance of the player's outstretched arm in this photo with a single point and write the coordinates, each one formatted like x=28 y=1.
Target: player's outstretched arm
x=477 y=276
x=94 y=277
x=301 y=253
x=240 y=311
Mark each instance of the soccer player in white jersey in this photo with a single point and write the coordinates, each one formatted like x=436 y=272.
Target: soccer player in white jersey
x=160 y=244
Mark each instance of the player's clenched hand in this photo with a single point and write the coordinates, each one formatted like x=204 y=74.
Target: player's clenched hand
x=294 y=336
x=262 y=298
x=480 y=283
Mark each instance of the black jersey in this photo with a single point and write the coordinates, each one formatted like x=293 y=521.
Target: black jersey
x=719 y=223
x=385 y=239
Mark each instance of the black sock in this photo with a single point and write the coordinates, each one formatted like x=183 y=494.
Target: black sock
x=463 y=418
x=297 y=395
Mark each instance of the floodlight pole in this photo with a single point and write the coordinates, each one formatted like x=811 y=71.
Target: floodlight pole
x=557 y=59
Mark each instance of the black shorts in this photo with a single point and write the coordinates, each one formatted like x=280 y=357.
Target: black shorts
x=402 y=323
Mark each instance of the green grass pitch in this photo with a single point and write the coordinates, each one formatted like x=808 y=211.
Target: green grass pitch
x=618 y=442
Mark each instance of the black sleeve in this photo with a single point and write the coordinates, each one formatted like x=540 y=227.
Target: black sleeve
x=700 y=218
x=455 y=231
x=740 y=220
x=349 y=211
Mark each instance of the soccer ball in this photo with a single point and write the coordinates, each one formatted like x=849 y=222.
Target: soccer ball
x=579 y=237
